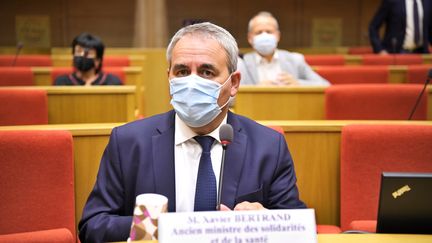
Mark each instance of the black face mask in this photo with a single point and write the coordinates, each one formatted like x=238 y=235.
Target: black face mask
x=83 y=64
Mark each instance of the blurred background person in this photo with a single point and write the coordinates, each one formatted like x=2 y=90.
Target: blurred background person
x=407 y=27
x=267 y=65
x=87 y=51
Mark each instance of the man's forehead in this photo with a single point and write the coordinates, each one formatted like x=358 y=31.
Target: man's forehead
x=200 y=50
x=264 y=20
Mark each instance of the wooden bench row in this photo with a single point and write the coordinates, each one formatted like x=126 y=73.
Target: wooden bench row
x=314 y=145
x=88 y=104
x=118 y=103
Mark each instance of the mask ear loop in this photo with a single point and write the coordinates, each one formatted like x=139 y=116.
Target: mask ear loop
x=228 y=101
x=230 y=98
x=226 y=81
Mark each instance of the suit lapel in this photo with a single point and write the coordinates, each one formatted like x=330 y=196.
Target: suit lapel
x=234 y=161
x=163 y=161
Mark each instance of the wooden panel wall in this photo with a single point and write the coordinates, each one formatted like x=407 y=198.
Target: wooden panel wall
x=114 y=20
x=110 y=19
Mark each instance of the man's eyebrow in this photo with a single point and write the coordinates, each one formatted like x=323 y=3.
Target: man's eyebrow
x=208 y=66
x=180 y=66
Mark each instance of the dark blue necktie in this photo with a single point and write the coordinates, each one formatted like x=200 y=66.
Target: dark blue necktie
x=205 y=193
x=416 y=24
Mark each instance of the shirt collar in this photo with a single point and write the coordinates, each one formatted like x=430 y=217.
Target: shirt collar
x=259 y=59
x=183 y=133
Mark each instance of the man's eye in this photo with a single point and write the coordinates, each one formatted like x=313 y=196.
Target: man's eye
x=182 y=73
x=207 y=74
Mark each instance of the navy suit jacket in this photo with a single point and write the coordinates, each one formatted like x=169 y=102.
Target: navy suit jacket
x=393 y=14
x=139 y=158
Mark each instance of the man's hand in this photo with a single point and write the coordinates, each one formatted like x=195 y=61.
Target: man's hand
x=383 y=52
x=284 y=78
x=244 y=206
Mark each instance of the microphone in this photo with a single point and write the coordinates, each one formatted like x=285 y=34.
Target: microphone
x=19 y=46
x=421 y=94
x=226 y=136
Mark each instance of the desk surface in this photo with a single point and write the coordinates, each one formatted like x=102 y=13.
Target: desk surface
x=361 y=238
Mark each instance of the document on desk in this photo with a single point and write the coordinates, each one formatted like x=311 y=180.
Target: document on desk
x=265 y=226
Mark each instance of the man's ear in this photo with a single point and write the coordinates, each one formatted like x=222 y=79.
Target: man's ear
x=277 y=34
x=168 y=70
x=235 y=82
x=250 y=38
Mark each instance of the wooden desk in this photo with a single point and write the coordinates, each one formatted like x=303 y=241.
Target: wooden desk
x=155 y=98
x=288 y=103
x=73 y=104
x=134 y=76
x=280 y=103
x=314 y=145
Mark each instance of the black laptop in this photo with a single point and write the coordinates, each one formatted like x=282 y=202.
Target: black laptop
x=405 y=203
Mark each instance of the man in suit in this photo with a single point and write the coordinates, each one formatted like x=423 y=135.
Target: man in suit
x=161 y=154
x=407 y=27
x=268 y=65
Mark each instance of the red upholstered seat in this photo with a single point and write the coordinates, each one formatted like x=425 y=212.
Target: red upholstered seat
x=392 y=59
x=374 y=102
x=278 y=129
x=37 y=185
x=328 y=229
x=59 y=71
x=409 y=59
x=44 y=236
x=374 y=59
x=354 y=74
x=358 y=50
x=116 y=61
x=417 y=74
x=325 y=60
x=23 y=107
x=16 y=76
x=369 y=150
x=26 y=60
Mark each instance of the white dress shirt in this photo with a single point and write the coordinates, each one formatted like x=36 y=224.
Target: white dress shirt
x=187 y=154
x=268 y=71
x=409 y=43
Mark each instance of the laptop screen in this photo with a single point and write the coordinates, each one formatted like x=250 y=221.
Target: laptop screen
x=405 y=203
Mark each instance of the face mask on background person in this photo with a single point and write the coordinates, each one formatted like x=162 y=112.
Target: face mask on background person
x=83 y=64
x=195 y=99
x=265 y=43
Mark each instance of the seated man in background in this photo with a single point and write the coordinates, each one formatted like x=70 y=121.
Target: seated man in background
x=87 y=51
x=268 y=65
x=161 y=154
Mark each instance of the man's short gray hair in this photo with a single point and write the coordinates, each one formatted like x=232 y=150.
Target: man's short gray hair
x=262 y=14
x=209 y=30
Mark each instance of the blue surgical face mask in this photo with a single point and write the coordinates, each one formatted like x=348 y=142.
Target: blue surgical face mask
x=265 y=43
x=195 y=99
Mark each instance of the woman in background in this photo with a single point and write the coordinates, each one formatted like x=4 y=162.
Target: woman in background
x=87 y=53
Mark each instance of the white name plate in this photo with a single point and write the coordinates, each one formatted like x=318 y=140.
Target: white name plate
x=265 y=226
